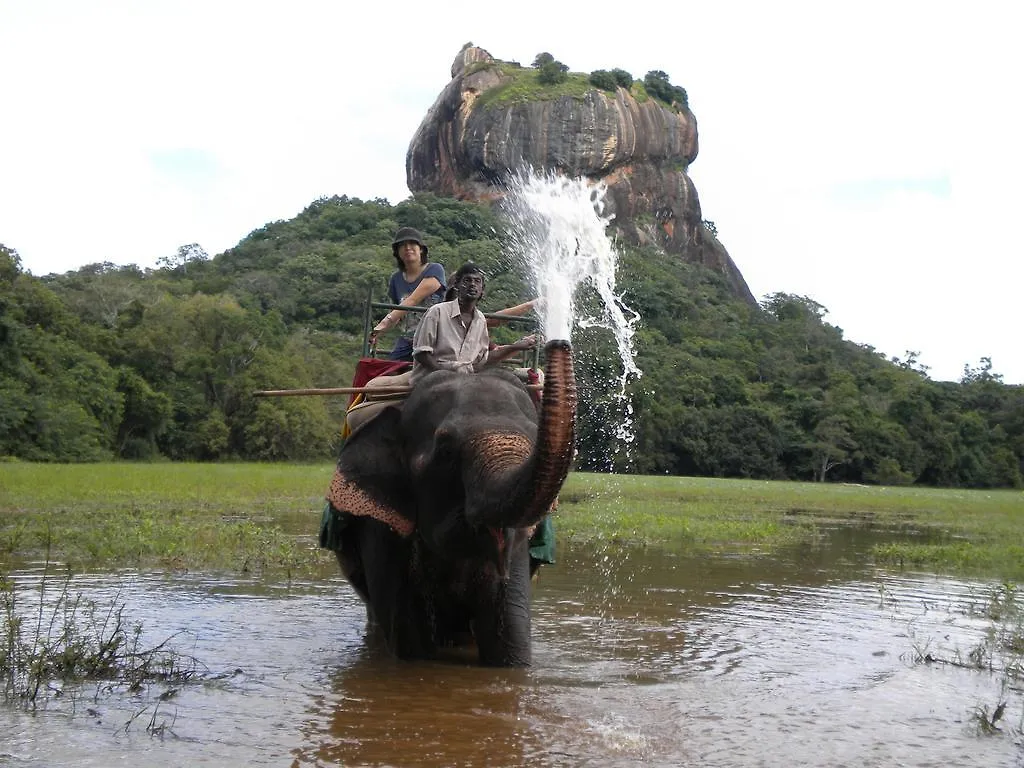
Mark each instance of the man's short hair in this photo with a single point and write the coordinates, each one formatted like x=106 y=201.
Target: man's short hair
x=469 y=268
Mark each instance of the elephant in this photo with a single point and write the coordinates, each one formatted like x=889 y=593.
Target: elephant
x=433 y=502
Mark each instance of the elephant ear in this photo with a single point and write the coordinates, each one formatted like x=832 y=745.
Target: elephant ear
x=371 y=479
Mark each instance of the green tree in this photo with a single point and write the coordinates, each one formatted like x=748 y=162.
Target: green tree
x=657 y=84
x=59 y=400
x=553 y=73
x=110 y=360
x=192 y=253
x=603 y=79
x=146 y=416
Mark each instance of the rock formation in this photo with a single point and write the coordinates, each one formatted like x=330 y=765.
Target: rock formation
x=641 y=149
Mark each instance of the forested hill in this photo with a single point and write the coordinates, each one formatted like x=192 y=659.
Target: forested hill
x=115 y=361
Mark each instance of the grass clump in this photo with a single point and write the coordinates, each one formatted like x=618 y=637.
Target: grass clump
x=66 y=641
x=1000 y=653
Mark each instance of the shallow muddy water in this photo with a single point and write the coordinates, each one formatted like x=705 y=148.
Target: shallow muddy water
x=640 y=657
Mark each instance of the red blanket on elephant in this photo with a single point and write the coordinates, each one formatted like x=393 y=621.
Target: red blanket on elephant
x=367 y=369
x=371 y=367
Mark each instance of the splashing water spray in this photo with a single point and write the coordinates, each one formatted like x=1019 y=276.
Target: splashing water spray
x=557 y=225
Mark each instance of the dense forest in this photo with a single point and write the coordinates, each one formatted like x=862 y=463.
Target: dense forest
x=120 y=362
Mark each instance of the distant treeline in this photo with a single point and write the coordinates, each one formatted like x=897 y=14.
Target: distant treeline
x=111 y=361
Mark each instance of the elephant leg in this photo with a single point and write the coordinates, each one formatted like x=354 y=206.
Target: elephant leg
x=347 y=553
x=502 y=622
x=391 y=597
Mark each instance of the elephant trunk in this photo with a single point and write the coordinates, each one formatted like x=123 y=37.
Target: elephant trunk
x=555 y=433
x=529 y=478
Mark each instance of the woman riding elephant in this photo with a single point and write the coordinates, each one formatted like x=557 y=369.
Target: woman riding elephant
x=416 y=281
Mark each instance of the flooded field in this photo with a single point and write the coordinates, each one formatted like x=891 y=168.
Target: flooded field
x=640 y=657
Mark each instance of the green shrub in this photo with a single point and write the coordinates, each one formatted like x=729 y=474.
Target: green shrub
x=553 y=73
x=889 y=472
x=657 y=84
x=622 y=77
x=603 y=79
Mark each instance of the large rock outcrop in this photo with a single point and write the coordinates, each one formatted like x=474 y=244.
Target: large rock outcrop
x=466 y=146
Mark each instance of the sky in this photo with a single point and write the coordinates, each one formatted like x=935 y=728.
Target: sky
x=867 y=155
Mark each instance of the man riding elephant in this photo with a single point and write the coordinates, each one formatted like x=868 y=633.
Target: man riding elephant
x=453 y=335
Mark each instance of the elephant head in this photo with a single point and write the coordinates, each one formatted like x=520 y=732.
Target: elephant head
x=483 y=433
x=448 y=487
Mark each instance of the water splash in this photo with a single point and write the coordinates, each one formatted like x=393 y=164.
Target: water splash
x=558 y=227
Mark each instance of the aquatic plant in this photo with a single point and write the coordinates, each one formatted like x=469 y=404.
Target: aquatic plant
x=67 y=640
x=999 y=652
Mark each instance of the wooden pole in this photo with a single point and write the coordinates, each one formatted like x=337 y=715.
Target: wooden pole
x=332 y=391
x=397 y=390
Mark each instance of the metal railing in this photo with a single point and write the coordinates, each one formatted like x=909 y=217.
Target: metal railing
x=529 y=359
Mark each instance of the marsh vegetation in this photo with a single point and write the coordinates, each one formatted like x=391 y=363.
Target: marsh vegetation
x=264 y=517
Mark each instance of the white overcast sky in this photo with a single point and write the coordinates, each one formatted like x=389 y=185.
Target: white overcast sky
x=865 y=154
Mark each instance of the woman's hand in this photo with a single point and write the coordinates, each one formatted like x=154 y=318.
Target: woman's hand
x=383 y=325
x=527 y=342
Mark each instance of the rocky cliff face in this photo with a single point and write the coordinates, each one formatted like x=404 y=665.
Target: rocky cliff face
x=465 y=146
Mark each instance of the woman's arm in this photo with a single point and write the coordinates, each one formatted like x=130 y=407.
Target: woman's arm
x=517 y=311
x=427 y=286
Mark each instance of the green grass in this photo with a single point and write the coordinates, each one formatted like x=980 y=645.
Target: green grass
x=521 y=86
x=966 y=531
x=639 y=92
x=680 y=512
x=238 y=517
x=265 y=517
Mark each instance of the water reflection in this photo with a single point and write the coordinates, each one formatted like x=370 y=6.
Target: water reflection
x=639 y=657
x=380 y=712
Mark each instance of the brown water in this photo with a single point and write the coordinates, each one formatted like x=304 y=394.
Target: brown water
x=639 y=658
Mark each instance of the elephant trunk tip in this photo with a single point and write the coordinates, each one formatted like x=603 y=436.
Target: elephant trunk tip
x=558 y=344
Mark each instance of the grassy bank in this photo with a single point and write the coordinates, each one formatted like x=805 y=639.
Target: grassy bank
x=238 y=517
x=265 y=516
x=964 y=531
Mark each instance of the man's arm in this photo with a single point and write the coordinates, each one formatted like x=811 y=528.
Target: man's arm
x=427 y=360
x=425 y=337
